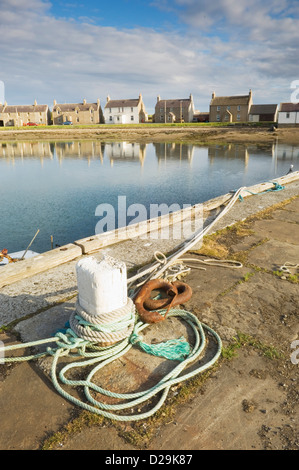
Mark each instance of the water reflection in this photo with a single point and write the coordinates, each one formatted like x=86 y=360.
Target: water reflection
x=136 y=152
x=57 y=186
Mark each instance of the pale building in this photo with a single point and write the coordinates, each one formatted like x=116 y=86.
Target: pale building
x=174 y=110
x=230 y=108
x=288 y=114
x=77 y=113
x=21 y=115
x=125 y=111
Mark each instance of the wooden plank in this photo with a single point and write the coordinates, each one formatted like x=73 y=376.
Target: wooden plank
x=14 y=272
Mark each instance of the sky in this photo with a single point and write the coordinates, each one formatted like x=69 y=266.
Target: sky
x=74 y=50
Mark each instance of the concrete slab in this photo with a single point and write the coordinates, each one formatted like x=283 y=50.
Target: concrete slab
x=36 y=409
x=220 y=419
x=273 y=254
x=283 y=231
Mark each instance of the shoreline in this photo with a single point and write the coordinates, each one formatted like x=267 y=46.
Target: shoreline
x=190 y=134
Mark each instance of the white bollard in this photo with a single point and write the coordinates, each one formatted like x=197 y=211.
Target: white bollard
x=102 y=285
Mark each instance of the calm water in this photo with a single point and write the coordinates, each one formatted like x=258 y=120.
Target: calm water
x=56 y=187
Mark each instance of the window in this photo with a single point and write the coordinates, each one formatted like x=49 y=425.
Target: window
x=132 y=110
x=239 y=108
x=110 y=118
x=218 y=108
x=238 y=117
x=288 y=116
x=77 y=119
x=218 y=117
x=109 y=110
x=132 y=118
x=228 y=108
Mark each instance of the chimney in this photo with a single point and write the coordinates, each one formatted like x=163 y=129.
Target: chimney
x=213 y=95
x=158 y=98
x=108 y=98
x=35 y=103
x=84 y=101
x=55 y=102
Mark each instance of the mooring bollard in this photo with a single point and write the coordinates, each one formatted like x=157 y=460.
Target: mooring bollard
x=102 y=285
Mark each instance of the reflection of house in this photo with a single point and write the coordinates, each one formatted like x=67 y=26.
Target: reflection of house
x=21 y=115
x=130 y=111
x=124 y=151
x=263 y=112
x=173 y=151
x=230 y=108
x=287 y=152
x=26 y=150
x=77 y=113
x=288 y=114
x=174 y=110
x=228 y=152
x=85 y=149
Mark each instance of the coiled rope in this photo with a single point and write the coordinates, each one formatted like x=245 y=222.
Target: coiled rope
x=70 y=344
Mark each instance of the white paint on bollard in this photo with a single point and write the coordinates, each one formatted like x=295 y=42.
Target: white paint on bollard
x=102 y=285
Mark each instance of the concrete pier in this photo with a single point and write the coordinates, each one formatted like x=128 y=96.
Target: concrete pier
x=247 y=403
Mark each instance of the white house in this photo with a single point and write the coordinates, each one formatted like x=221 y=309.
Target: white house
x=288 y=114
x=127 y=111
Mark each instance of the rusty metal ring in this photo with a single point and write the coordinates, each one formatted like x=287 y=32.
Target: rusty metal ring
x=177 y=292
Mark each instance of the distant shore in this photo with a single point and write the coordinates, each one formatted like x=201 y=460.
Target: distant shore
x=147 y=133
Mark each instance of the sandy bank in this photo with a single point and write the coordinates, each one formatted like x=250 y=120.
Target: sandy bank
x=145 y=134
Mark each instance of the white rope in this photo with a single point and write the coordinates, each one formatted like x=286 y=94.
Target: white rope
x=116 y=326
x=155 y=271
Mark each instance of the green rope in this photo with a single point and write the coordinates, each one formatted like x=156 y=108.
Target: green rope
x=174 y=349
x=276 y=187
x=68 y=343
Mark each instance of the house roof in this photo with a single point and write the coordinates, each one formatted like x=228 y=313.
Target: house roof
x=174 y=103
x=68 y=107
x=230 y=100
x=263 y=109
x=38 y=108
x=130 y=103
x=289 y=107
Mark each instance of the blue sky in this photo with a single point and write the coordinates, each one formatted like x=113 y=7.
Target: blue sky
x=121 y=14
x=90 y=49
